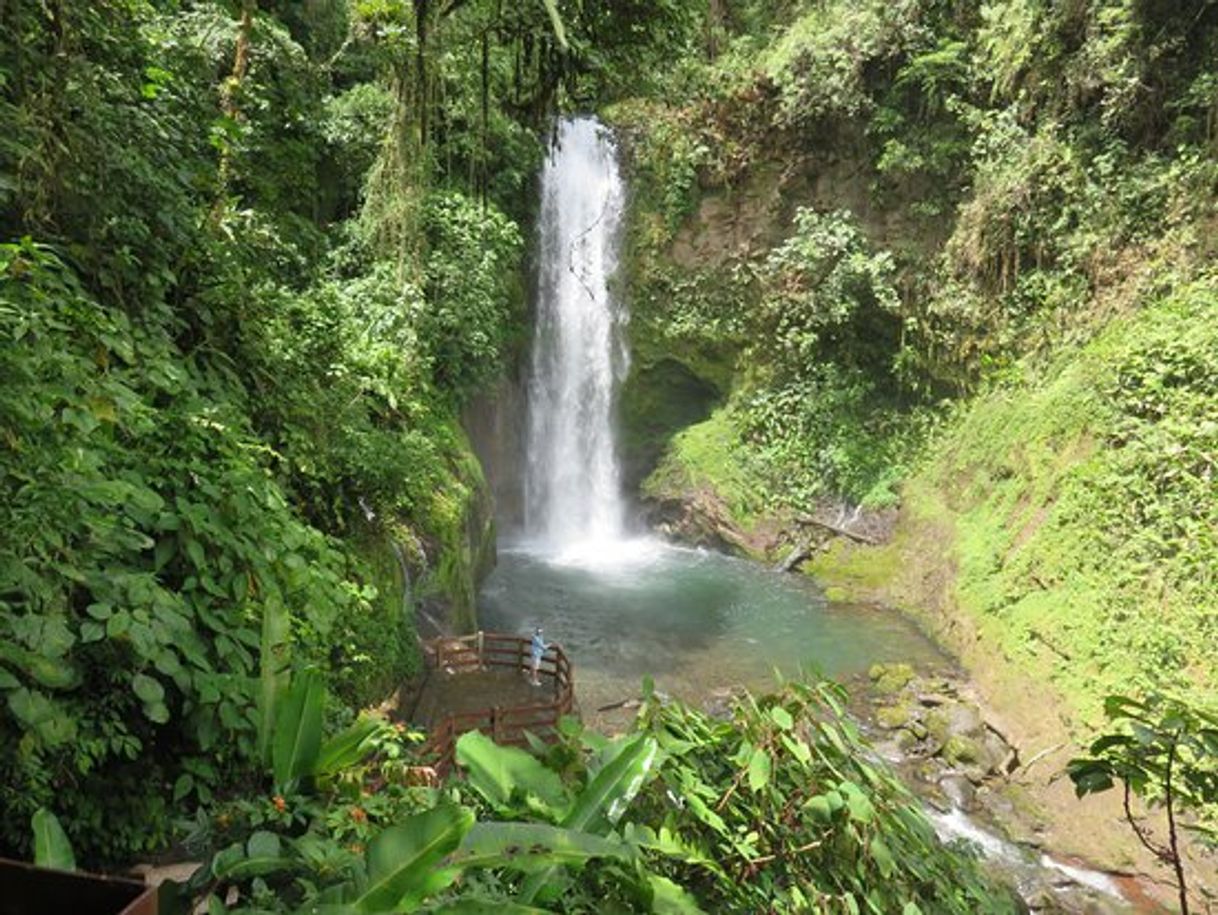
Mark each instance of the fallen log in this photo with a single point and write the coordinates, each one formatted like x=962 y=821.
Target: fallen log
x=631 y=703
x=838 y=531
x=797 y=555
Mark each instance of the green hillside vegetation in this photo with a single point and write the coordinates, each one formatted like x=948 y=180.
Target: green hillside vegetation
x=247 y=285
x=956 y=259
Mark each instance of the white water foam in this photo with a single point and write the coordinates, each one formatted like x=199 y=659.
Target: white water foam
x=955 y=824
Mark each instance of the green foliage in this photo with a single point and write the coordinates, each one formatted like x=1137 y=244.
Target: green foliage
x=829 y=434
x=51 y=846
x=145 y=539
x=1165 y=752
x=471 y=288
x=1086 y=486
x=819 y=65
x=777 y=807
x=795 y=818
x=827 y=297
x=297 y=735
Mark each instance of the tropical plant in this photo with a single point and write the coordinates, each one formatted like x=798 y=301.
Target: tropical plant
x=1165 y=752
x=796 y=816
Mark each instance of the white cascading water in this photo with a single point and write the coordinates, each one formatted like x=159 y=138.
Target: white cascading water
x=573 y=491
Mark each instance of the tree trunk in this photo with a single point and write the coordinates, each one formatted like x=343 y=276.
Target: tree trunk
x=422 y=29
x=228 y=95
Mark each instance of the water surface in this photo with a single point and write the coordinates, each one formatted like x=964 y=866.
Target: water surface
x=694 y=620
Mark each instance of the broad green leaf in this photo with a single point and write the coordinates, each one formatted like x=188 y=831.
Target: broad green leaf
x=781 y=717
x=261 y=855
x=615 y=785
x=298 y=729
x=147 y=688
x=760 y=767
x=346 y=748
x=401 y=860
x=798 y=748
x=273 y=669
x=818 y=805
x=530 y=847
x=606 y=797
x=248 y=867
x=263 y=844
x=882 y=857
x=501 y=774
x=857 y=802
x=51 y=846
x=669 y=898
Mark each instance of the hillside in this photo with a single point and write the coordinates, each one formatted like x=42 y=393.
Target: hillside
x=943 y=276
x=934 y=277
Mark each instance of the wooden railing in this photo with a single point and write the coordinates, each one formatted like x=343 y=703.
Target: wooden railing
x=505 y=724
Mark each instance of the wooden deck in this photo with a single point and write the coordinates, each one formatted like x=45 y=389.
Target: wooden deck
x=480 y=682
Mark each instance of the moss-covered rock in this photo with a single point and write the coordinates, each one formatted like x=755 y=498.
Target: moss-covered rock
x=895 y=716
x=961 y=750
x=890 y=679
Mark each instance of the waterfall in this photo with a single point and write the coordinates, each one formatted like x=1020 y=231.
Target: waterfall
x=572 y=490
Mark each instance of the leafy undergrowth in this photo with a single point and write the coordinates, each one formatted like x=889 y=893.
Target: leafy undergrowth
x=152 y=568
x=1086 y=529
x=781 y=808
x=708 y=456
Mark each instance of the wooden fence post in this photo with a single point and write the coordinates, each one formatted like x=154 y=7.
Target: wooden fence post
x=495 y=723
x=481 y=651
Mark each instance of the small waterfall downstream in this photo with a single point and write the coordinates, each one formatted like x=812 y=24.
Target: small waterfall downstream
x=572 y=492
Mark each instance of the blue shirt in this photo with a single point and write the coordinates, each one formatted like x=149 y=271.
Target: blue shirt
x=539 y=646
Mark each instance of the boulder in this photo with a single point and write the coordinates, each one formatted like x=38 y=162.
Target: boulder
x=891 y=717
x=954 y=719
x=890 y=679
x=961 y=750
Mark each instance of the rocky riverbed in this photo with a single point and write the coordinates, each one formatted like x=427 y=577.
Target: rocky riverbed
x=959 y=759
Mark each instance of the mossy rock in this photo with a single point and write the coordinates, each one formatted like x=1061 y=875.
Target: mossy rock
x=656 y=402
x=892 y=678
x=836 y=595
x=960 y=750
x=891 y=717
x=938 y=728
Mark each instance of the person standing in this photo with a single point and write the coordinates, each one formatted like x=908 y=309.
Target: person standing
x=537 y=650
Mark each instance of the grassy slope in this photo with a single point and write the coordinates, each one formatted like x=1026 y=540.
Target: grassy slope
x=1079 y=513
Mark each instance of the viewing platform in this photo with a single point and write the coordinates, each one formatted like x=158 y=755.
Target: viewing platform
x=481 y=682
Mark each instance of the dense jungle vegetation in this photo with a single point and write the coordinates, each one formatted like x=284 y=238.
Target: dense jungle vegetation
x=258 y=256
x=958 y=258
